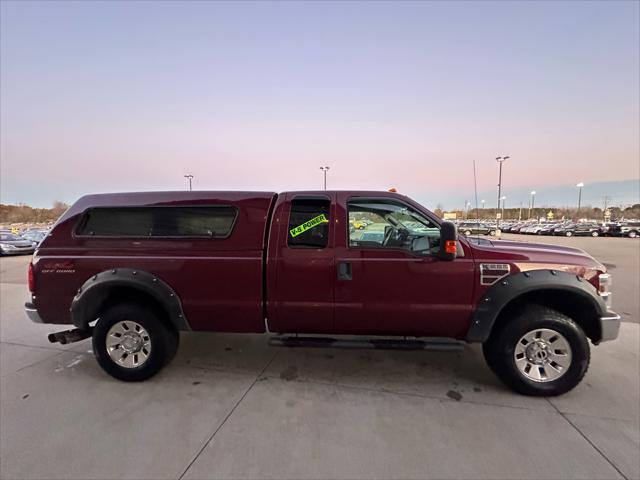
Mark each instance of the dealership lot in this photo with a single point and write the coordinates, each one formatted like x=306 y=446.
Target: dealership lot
x=230 y=406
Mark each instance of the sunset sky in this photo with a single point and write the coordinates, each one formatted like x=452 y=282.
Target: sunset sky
x=113 y=96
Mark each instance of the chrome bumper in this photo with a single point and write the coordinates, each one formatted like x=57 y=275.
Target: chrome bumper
x=610 y=326
x=32 y=312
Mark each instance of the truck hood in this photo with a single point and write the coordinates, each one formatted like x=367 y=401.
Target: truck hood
x=526 y=256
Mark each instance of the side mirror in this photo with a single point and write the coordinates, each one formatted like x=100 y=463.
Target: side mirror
x=448 y=241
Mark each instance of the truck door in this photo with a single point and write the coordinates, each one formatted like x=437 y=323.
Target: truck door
x=300 y=265
x=390 y=280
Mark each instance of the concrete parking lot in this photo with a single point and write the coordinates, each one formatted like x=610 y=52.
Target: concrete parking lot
x=230 y=406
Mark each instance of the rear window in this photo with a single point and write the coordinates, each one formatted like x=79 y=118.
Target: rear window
x=194 y=221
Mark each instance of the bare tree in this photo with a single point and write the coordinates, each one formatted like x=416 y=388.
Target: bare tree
x=58 y=208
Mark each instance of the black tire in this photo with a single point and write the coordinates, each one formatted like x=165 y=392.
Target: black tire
x=163 y=340
x=594 y=234
x=489 y=352
x=174 y=342
x=467 y=233
x=632 y=234
x=568 y=234
x=499 y=351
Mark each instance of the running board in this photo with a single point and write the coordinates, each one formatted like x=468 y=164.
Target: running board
x=367 y=343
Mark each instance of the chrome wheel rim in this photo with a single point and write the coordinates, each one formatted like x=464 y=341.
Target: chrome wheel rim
x=128 y=344
x=542 y=355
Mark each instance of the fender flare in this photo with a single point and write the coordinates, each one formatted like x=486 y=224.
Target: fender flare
x=513 y=286
x=84 y=307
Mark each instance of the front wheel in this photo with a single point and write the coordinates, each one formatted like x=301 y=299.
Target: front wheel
x=132 y=343
x=594 y=234
x=632 y=234
x=568 y=234
x=539 y=352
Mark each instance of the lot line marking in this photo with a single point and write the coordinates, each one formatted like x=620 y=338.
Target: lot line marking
x=587 y=439
x=206 y=444
x=41 y=347
x=54 y=353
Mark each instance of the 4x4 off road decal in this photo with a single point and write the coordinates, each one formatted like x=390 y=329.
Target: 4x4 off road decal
x=314 y=222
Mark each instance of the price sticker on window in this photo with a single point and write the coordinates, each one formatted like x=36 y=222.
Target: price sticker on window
x=314 y=222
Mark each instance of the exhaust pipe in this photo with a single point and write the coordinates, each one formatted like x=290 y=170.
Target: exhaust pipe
x=70 y=336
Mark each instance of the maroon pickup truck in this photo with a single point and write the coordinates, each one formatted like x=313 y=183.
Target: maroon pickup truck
x=133 y=269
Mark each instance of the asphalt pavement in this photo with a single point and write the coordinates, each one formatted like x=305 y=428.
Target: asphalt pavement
x=230 y=406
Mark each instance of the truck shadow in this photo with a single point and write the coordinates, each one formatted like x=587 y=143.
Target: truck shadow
x=448 y=375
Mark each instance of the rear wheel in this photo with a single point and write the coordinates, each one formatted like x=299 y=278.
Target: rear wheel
x=594 y=234
x=633 y=234
x=131 y=343
x=568 y=233
x=539 y=352
x=467 y=232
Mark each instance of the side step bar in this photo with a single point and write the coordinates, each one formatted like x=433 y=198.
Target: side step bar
x=368 y=343
x=70 y=336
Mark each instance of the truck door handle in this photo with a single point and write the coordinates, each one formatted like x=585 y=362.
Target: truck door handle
x=344 y=271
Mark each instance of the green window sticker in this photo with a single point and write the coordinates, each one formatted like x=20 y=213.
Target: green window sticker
x=314 y=222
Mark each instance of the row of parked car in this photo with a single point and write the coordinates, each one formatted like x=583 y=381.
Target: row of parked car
x=20 y=243
x=570 y=229
x=565 y=228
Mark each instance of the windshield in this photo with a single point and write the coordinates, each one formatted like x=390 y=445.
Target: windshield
x=9 y=237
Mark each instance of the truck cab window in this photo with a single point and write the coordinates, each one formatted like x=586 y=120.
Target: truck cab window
x=309 y=223
x=390 y=224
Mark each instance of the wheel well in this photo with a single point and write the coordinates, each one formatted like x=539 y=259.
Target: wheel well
x=575 y=306
x=125 y=294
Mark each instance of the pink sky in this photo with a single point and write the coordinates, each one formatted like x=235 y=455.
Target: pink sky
x=258 y=96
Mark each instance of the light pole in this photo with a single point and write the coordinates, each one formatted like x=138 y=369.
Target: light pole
x=533 y=199
x=579 y=185
x=500 y=160
x=325 y=170
x=482 y=202
x=189 y=177
x=502 y=211
x=520 y=212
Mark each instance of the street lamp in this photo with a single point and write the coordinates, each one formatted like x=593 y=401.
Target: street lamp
x=502 y=212
x=533 y=199
x=520 y=212
x=189 y=177
x=325 y=170
x=579 y=185
x=500 y=160
x=482 y=202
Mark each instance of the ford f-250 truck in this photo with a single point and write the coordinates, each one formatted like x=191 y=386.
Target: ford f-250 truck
x=131 y=270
